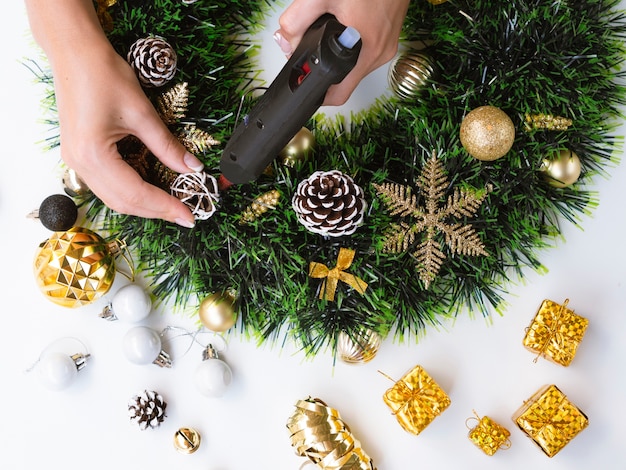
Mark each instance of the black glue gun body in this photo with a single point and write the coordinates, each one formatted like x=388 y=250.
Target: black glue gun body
x=326 y=54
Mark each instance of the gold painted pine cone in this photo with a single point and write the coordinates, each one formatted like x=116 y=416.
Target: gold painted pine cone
x=153 y=60
x=329 y=203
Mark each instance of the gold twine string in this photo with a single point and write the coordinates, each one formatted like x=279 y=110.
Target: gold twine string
x=318 y=432
x=553 y=332
x=120 y=248
x=333 y=276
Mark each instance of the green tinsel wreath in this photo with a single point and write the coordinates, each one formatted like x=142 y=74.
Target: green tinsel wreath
x=523 y=56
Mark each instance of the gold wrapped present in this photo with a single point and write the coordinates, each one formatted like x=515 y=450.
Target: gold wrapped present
x=550 y=419
x=416 y=400
x=555 y=332
x=488 y=435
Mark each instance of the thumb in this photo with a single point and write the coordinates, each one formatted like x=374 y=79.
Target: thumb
x=165 y=146
x=295 y=21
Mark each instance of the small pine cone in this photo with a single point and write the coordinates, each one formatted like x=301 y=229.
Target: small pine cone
x=153 y=60
x=329 y=203
x=147 y=409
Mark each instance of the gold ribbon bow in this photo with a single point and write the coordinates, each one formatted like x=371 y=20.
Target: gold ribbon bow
x=333 y=276
x=103 y=15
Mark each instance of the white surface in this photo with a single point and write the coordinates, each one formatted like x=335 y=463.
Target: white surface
x=482 y=366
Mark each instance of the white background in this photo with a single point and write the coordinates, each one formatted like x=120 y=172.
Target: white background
x=481 y=364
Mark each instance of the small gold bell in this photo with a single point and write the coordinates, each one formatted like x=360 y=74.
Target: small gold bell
x=187 y=440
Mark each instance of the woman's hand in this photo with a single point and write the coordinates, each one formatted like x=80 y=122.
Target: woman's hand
x=379 y=23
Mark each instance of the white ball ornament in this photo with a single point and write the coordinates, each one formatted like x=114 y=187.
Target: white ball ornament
x=142 y=345
x=130 y=304
x=57 y=370
x=213 y=376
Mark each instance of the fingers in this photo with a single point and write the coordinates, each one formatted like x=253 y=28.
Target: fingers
x=123 y=190
x=294 y=22
x=150 y=129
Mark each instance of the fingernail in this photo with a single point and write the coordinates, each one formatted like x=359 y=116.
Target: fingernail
x=192 y=162
x=282 y=43
x=185 y=223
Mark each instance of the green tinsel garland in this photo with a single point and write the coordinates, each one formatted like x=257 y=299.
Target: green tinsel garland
x=523 y=56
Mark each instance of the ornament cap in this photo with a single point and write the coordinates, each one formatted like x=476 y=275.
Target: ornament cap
x=108 y=313
x=210 y=353
x=163 y=360
x=80 y=360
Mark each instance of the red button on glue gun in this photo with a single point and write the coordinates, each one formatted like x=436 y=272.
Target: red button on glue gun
x=325 y=55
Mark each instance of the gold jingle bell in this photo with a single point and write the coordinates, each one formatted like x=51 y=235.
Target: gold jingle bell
x=359 y=348
x=217 y=311
x=73 y=185
x=75 y=267
x=187 y=440
x=562 y=171
x=298 y=148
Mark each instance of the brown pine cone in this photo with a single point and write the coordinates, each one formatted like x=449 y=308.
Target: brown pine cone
x=147 y=409
x=329 y=203
x=153 y=60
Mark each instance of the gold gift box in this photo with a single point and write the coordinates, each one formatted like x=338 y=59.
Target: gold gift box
x=555 y=332
x=416 y=400
x=489 y=436
x=550 y=419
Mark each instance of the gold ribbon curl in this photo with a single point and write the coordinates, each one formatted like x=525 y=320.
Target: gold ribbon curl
x=333 y=276
x=318 y=432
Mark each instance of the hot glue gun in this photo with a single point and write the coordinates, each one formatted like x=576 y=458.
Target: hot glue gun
x=326 y=54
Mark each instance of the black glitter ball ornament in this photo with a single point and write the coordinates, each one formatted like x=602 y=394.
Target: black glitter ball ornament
x=58 y=213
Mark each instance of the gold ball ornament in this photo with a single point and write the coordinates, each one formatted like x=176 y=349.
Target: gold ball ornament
x=75 y=267
x=187 y=440
x=359 y=348
x=487 y=133
x=298 y=148
x=562 y=171
x=217 y=311
x=409 y=73
x=73 y=185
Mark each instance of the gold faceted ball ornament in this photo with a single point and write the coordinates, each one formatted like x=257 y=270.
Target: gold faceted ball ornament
x=187 y=440
x=75 y=267
x=358 y=348
x=409 y=73
x=298 y=148
x=562 y=171
x=218 y=311
x=487 y=133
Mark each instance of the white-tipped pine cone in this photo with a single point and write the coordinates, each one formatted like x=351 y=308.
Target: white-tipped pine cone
x=153 y=60
x=329 y=203
x=147 y=409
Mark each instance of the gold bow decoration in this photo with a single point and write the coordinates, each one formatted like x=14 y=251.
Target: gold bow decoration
x=550 y=419
x=102 y=7
x=318 y=432
x=416 y=400
x=555 y=332
x=333 y=276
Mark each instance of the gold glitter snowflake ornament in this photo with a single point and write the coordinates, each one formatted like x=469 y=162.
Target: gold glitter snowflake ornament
x=431 y=219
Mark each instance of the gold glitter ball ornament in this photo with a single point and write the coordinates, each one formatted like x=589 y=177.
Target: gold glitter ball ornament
x=487 y=133
x=75 y=267
x=562 y=171
x=218 y=311
x=359 y=348
x=187 y=440
x=409 y=73
x=298 y=148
